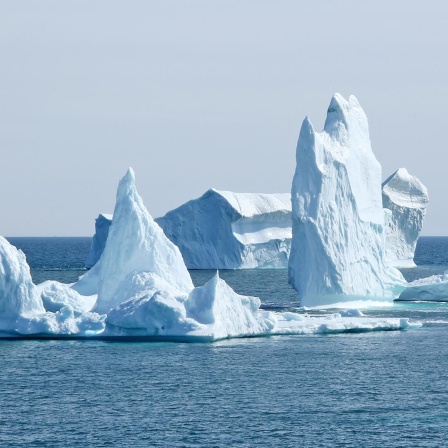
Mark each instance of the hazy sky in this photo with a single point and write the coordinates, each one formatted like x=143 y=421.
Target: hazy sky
x=200 y=94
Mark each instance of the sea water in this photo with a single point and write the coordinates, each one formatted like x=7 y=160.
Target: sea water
x=387 y=389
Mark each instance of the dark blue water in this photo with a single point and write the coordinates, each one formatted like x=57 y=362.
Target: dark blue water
x=387 y=389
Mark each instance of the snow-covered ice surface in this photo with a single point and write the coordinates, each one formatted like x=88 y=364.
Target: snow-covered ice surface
x=405 y=199
x=433 y=289
x=102 y=224
x=338 y=242
x=226 y=230
x=56 y=295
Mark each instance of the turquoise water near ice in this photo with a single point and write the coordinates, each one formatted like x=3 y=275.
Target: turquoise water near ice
x=386 y=389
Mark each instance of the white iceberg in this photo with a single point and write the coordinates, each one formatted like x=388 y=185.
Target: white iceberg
x=143 y=284
x=405 y=199
x=151 y=294
x=102 y=224
x=226 y=230
x=433 y=289
x=135 y=244
x=21 y=308
x=222 y=230
x=338 y=242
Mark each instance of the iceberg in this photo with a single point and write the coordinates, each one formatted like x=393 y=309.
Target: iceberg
x=226 y=230
x=222 y=230
x=22 y=310
x=405 y=199
x=18 y=294
x=102 y=224
x=143 y=289
x=338 y=241
x=432 y=289
x=135 y=244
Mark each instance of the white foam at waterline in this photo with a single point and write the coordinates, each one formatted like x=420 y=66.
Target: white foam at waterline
x=357 y=304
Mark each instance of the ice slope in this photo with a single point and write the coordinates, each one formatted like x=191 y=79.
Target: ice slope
x=21 y=308
x=338 y=243
x=102 y=224
x=405 y=199
x=226 y=230
x=433 y=288
x=135 y=244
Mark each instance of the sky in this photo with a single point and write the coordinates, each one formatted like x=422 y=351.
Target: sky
x=205 y=93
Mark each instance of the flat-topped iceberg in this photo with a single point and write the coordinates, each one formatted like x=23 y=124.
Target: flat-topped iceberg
x=226 y=230
x=405 y=199
x=338 y=241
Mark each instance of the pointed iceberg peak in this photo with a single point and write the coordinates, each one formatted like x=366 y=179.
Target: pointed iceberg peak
x=135 y=244
x=337 y=246
x=130 y=174
x=126 y=186
x=345 y=116
x=307 y=127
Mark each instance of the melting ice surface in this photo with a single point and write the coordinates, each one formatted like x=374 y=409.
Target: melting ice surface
x=141 y=287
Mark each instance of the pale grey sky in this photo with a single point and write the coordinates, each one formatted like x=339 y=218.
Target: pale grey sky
x=199 y=94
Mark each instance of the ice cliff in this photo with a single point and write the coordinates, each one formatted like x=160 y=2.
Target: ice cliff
x=338 y=241
x=405 y=199
x=226 y=230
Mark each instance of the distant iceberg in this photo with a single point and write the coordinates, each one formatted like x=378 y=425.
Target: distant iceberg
x=338 y=241
x=226 y=230
x=222 y=230
x=432 y=289
x=405 y=199
x=102 y=224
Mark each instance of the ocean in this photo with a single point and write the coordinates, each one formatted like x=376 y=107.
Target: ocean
x=387 y=389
